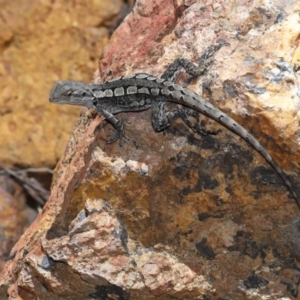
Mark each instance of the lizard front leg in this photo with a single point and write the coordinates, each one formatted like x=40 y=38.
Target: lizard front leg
x=115 y=122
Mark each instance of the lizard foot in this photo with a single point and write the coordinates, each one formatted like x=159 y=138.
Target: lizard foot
x=114 y=137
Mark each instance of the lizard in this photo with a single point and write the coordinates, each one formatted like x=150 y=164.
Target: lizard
x=142 y=91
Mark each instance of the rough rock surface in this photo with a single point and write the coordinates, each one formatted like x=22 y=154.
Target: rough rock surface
x=13 y=222
x=173 y=215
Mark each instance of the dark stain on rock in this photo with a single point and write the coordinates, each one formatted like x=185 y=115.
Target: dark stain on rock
x=185 y=191
x=280 y=17
x=181 y=172
x=245 y=245
x=205 y=181
x=228 y=190
x=231 y=88
x=198 y=186
x=205 y=250
x=227 y=167
x=286 y=257
x=255 y=282
x=107 y=292
x=292 y=287
x=208 y=142
x=203 y=216
x=210 y=184
x=123 y=236
x=218 y=200
x=238 y=155
x=189 y=159
x=263 y=175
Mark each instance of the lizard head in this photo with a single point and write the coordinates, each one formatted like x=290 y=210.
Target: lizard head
x=73 y=93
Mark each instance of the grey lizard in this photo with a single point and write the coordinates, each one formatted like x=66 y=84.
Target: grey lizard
x=143 y=91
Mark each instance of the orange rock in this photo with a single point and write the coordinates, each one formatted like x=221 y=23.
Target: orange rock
x=40 y=43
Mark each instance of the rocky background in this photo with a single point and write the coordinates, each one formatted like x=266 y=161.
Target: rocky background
x=42 y=42
x=173 y=215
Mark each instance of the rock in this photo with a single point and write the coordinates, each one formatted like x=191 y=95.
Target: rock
x=13 y=223
x=174 y=215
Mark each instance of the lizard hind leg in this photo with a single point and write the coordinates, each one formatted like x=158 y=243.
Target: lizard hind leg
x=172 y=72
x=196 y=127
x=162 y=119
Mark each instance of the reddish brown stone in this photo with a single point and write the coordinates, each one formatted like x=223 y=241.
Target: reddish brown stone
x=12 y=225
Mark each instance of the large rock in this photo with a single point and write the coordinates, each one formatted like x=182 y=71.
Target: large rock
x=174 y=215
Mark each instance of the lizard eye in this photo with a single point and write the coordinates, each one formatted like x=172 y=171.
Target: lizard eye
x=69 y=93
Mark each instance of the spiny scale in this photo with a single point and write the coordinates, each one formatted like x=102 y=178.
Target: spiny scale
x=142 y=91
